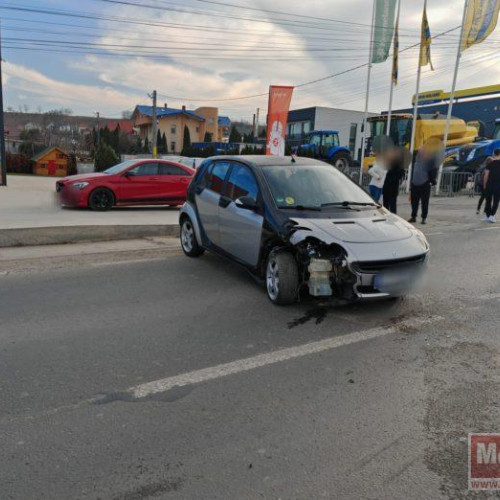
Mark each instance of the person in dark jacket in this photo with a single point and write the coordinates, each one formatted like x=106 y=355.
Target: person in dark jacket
x=492 y=187
x=424 y=174
x=392 y=183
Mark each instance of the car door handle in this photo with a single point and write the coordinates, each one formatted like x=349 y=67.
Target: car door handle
x=154 y=178
x=224 y=201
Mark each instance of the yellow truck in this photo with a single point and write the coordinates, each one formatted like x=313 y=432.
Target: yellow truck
x=428 y=126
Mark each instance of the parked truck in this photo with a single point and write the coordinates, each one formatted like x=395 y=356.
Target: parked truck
x=325 y=145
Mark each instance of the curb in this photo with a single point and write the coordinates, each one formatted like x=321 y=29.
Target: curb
x=34 y=236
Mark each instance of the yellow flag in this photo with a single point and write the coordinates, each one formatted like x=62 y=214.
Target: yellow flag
x=480 y=20
x=425 y=42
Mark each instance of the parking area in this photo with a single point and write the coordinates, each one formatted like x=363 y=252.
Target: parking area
x=29 y=201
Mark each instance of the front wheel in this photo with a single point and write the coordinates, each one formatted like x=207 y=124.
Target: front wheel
x=188 y=239
x=101 y=199
x=282 y=278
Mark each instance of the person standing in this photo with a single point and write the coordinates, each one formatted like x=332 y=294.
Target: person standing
x=480 y=185
x=377 y=173
x=492 y=187
x=424 y=175
x=392 y=183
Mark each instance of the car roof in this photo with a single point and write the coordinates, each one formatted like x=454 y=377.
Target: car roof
x=269 y=161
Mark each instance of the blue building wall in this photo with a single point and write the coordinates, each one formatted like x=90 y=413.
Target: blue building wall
x=484 y=110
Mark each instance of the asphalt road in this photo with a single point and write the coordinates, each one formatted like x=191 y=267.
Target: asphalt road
x=158 y=376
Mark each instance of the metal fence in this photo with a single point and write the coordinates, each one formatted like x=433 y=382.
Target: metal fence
x=452 y=183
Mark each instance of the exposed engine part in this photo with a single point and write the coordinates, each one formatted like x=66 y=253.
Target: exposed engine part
x=320 y=275
x=325 y=270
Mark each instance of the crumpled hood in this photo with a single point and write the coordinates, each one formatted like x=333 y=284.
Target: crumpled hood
x=374 y=229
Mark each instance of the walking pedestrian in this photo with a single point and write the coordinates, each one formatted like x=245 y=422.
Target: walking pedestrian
x=377 y=173
x=392 y=183
x=480 y=185
x=424 y=174
x=492 y=187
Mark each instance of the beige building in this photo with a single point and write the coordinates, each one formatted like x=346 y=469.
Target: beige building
x=171 y=122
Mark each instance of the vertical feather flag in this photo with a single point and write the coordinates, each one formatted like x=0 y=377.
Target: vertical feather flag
x=425 y=42
x=480 y=20
x=395 y=55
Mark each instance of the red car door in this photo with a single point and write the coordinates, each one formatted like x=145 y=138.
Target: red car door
x=174 y=181
x=140 y=184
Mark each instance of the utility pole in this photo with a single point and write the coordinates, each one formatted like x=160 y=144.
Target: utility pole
x=257 y=123
x=3 y=159
x=155 y=126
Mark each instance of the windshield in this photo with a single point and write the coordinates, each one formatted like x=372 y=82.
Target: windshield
x=120 y=167
x=311 y=186
x=400 y=130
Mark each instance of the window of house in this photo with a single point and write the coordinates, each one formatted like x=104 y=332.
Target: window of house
x=173 y=129
x=197 y=130
x=172 y=147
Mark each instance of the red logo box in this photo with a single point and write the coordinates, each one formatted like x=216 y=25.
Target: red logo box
x=484 y=461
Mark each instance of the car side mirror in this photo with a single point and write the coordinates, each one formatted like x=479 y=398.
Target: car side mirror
x=247 y=203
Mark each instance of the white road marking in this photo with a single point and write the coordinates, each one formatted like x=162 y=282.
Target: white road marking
x=486 y=228
x=261 y=360
x=433 y=234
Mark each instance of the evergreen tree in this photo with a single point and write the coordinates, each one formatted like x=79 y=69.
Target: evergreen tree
x=208 y=137
x=164 y=143
x=235 y=135
x=146 y=146
x=159 y=143
x=187 y=138
x=105 y=157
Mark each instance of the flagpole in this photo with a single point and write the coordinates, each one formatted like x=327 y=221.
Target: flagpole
x=415 y=114
x=389 y=117
x=368 y=79
x=452 y=98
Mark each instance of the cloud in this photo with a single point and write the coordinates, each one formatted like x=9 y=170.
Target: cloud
x=228 y=60
x=57 y=93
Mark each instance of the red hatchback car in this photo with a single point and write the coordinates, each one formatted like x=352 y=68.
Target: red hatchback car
x=133 y=182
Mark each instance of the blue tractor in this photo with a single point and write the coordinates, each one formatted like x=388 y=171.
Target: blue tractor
x=325 y=145
x=472 y=157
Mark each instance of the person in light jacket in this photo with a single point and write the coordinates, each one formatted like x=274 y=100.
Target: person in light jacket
x=377 y=173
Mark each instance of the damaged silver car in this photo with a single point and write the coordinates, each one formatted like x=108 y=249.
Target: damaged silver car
x=300 y=226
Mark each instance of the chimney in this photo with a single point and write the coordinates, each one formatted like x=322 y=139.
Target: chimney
x=183 y=107
x=165 y=105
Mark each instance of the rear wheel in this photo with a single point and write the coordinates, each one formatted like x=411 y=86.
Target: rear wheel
x=188 y=239
x=101 y=199
x=341 y=160
x=282 y=278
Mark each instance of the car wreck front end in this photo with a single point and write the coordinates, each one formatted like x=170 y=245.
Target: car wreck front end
x=376 y=255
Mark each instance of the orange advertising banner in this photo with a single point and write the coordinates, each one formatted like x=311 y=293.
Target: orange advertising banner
x=277 y=117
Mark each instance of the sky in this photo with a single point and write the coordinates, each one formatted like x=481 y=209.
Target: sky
x=108 y=55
